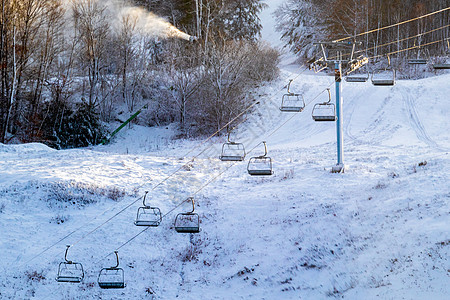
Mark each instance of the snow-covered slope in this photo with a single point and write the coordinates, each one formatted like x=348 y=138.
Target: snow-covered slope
x=378 y=231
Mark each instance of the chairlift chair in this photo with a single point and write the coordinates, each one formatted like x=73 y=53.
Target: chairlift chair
x=111 y=278
x=148 y=215
x=443 y=66
x=383 y=77
x=188 y=222
x=326 y=111
x=260 y=165
x=232 y=151
x=357 y=78
x=292 y=102
x=69 y=271
x=419 y=60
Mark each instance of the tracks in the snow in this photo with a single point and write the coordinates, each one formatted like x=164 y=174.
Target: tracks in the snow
x=416 y=122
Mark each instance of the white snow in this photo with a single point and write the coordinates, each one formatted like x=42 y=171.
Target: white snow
x=378 y=231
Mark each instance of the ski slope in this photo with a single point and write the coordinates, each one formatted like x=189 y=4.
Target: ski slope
x=378 y=231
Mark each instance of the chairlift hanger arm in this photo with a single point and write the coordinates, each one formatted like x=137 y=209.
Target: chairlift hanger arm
x=143 y=200
x=65 y=255
x=228 y=138
x=289 y=86
x=265 y=149
x=117 y=259
x=193 y=204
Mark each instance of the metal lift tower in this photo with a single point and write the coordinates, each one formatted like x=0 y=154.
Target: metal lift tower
x=339 y=54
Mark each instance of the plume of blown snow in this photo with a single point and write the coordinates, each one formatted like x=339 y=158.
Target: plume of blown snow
x=151 y=24
x=146 y=22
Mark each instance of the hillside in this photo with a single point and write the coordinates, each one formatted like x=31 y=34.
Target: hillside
x=378 y=231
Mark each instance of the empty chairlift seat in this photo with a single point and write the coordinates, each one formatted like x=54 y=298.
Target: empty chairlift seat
x=111 y=278
x=260 y=165
x=441 y=66
x=442 y=63
x=357 y=78
x=69 y=271
x=383 y=77
x=292 y=102
x=324 y=112
x=188 y=222
x=148 y=215
x=417 y=61
x=421 y=57
x=232 y=151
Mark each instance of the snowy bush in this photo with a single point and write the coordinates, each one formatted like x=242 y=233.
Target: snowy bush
x=115 y=193
x=190 y=253
x=59 y=219
x=64 y=193
x=34 y=276
x=380 y=185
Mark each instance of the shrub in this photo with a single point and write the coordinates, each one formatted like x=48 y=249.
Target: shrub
x=80 y=194
x=34 y=276
x=59 y=219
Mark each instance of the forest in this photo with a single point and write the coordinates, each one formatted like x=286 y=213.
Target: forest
x=71 y=67
x=303 y=22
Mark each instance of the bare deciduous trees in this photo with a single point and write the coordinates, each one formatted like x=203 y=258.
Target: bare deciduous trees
x=64 y=64
x=93 y=30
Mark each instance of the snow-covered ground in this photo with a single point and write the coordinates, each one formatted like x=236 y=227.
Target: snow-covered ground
x=378 y=231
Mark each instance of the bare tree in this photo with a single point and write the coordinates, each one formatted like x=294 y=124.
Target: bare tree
x=185 y=78
x=93 y=27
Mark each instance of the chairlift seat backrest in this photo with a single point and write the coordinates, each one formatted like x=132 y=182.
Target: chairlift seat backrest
x=383 y=77
x=111 y=278
x=260 y=166
x=70 y=272
x=292 y=103
x=187 y=223
x=324 y=112
x=232 y=152
x=148 y=216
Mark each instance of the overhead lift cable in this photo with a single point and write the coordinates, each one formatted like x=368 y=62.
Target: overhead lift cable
x=393 y=25
x=159 y=184
x=219 y=175
x=397 y=41
x=409 y=48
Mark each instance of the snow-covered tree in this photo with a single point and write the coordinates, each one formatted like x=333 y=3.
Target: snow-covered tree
x=300 y=23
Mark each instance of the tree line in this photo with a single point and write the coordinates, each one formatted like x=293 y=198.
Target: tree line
x=68 y=67
x=303 y=22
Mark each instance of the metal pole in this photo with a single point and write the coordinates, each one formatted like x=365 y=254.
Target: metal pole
x=339 y=134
